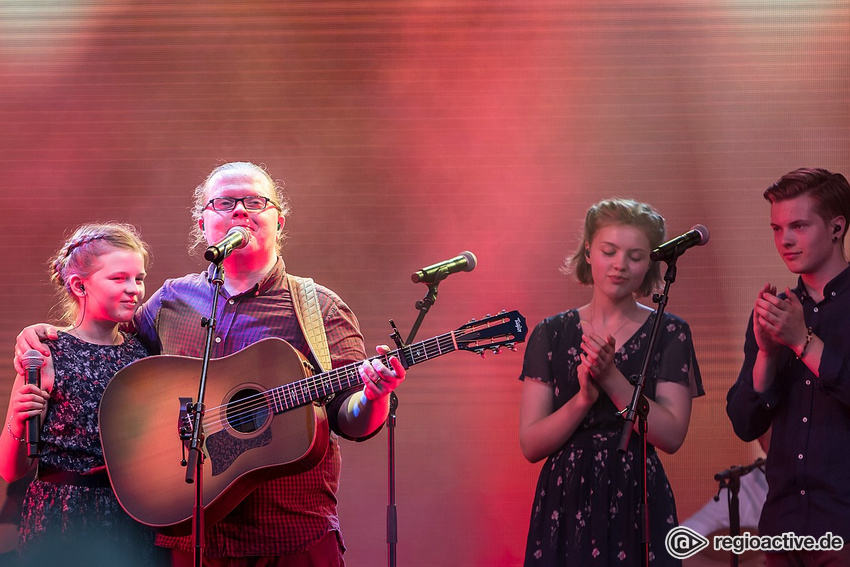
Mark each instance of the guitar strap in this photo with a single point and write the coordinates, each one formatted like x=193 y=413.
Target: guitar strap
x=309 y=315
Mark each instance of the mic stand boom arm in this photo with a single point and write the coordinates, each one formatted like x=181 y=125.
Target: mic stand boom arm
x=195 y=412
x=423 y=305
x=731 y=480
x=638 y=410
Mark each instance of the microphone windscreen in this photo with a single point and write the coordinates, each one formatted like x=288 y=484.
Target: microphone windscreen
x=704 y=235
x=32 y=359
x=471 y=261
x=246 y=235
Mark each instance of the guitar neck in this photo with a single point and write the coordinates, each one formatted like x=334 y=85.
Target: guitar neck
x=320 y=386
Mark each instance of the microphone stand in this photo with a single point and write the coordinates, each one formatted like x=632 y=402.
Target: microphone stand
x=423 y=305
x=195 y=412
x=638 y=410
x=731 y=480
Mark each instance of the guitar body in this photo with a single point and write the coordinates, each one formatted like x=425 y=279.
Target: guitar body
x=259 y=425
x=143 y=409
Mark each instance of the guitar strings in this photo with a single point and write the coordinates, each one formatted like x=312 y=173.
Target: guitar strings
x=247 y=409
x=292 y=394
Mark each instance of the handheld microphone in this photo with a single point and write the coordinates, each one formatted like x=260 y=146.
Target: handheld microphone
x=33 y=361
x=237 y=237
x=672 y=249
x=466 y=262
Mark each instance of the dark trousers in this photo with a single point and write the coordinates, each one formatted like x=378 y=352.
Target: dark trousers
x=326 y=553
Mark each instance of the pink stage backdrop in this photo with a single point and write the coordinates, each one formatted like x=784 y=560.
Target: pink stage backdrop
x=408 y=131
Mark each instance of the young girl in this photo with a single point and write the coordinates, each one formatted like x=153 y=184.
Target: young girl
x=70 y=511
x=575 y=374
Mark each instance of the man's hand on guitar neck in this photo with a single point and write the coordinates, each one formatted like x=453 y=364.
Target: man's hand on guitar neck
x=379 y=380
x=365 y=412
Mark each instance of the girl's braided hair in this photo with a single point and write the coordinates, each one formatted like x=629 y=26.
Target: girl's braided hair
x=81 y=255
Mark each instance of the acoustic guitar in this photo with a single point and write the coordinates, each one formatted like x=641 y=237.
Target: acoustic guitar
x=264 y=419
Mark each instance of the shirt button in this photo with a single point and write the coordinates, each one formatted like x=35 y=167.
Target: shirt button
x=803 y=492
x=805 y=420
x=808 y=382
x=832 y=294
x=218 y=339
x=231 y=302
x=800 y=456
x=815 y=309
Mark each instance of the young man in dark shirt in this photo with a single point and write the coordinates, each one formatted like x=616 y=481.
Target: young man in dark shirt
x=796 y=372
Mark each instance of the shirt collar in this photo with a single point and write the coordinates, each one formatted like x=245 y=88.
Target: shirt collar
x=838 y=285
x=270 y=281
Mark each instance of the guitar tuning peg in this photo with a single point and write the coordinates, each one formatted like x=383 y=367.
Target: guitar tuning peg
x=502 y=312
x=487 y=316
x=511 y=346
x=479 y=351
x=496 y=349
x=473 y=320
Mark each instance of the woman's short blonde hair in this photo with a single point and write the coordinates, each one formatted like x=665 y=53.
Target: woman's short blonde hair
x=619 y=211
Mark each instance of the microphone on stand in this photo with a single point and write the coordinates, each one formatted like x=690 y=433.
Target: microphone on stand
x=465 y=262
x=672 y=249
x=237 y=237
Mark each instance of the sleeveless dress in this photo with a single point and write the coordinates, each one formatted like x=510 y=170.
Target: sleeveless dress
x=78 y=524
x=585 y=504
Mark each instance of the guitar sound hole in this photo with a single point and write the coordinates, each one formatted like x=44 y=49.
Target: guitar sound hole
x=247 y=411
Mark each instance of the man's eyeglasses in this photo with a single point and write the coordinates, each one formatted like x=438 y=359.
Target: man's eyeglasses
x=252 y=203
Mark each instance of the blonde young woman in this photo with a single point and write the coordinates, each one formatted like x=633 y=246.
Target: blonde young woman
x=576 y=378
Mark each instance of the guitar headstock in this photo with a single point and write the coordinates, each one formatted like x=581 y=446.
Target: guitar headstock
x=492 y=333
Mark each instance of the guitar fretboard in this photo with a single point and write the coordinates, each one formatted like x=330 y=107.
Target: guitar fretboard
x=319 y=386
